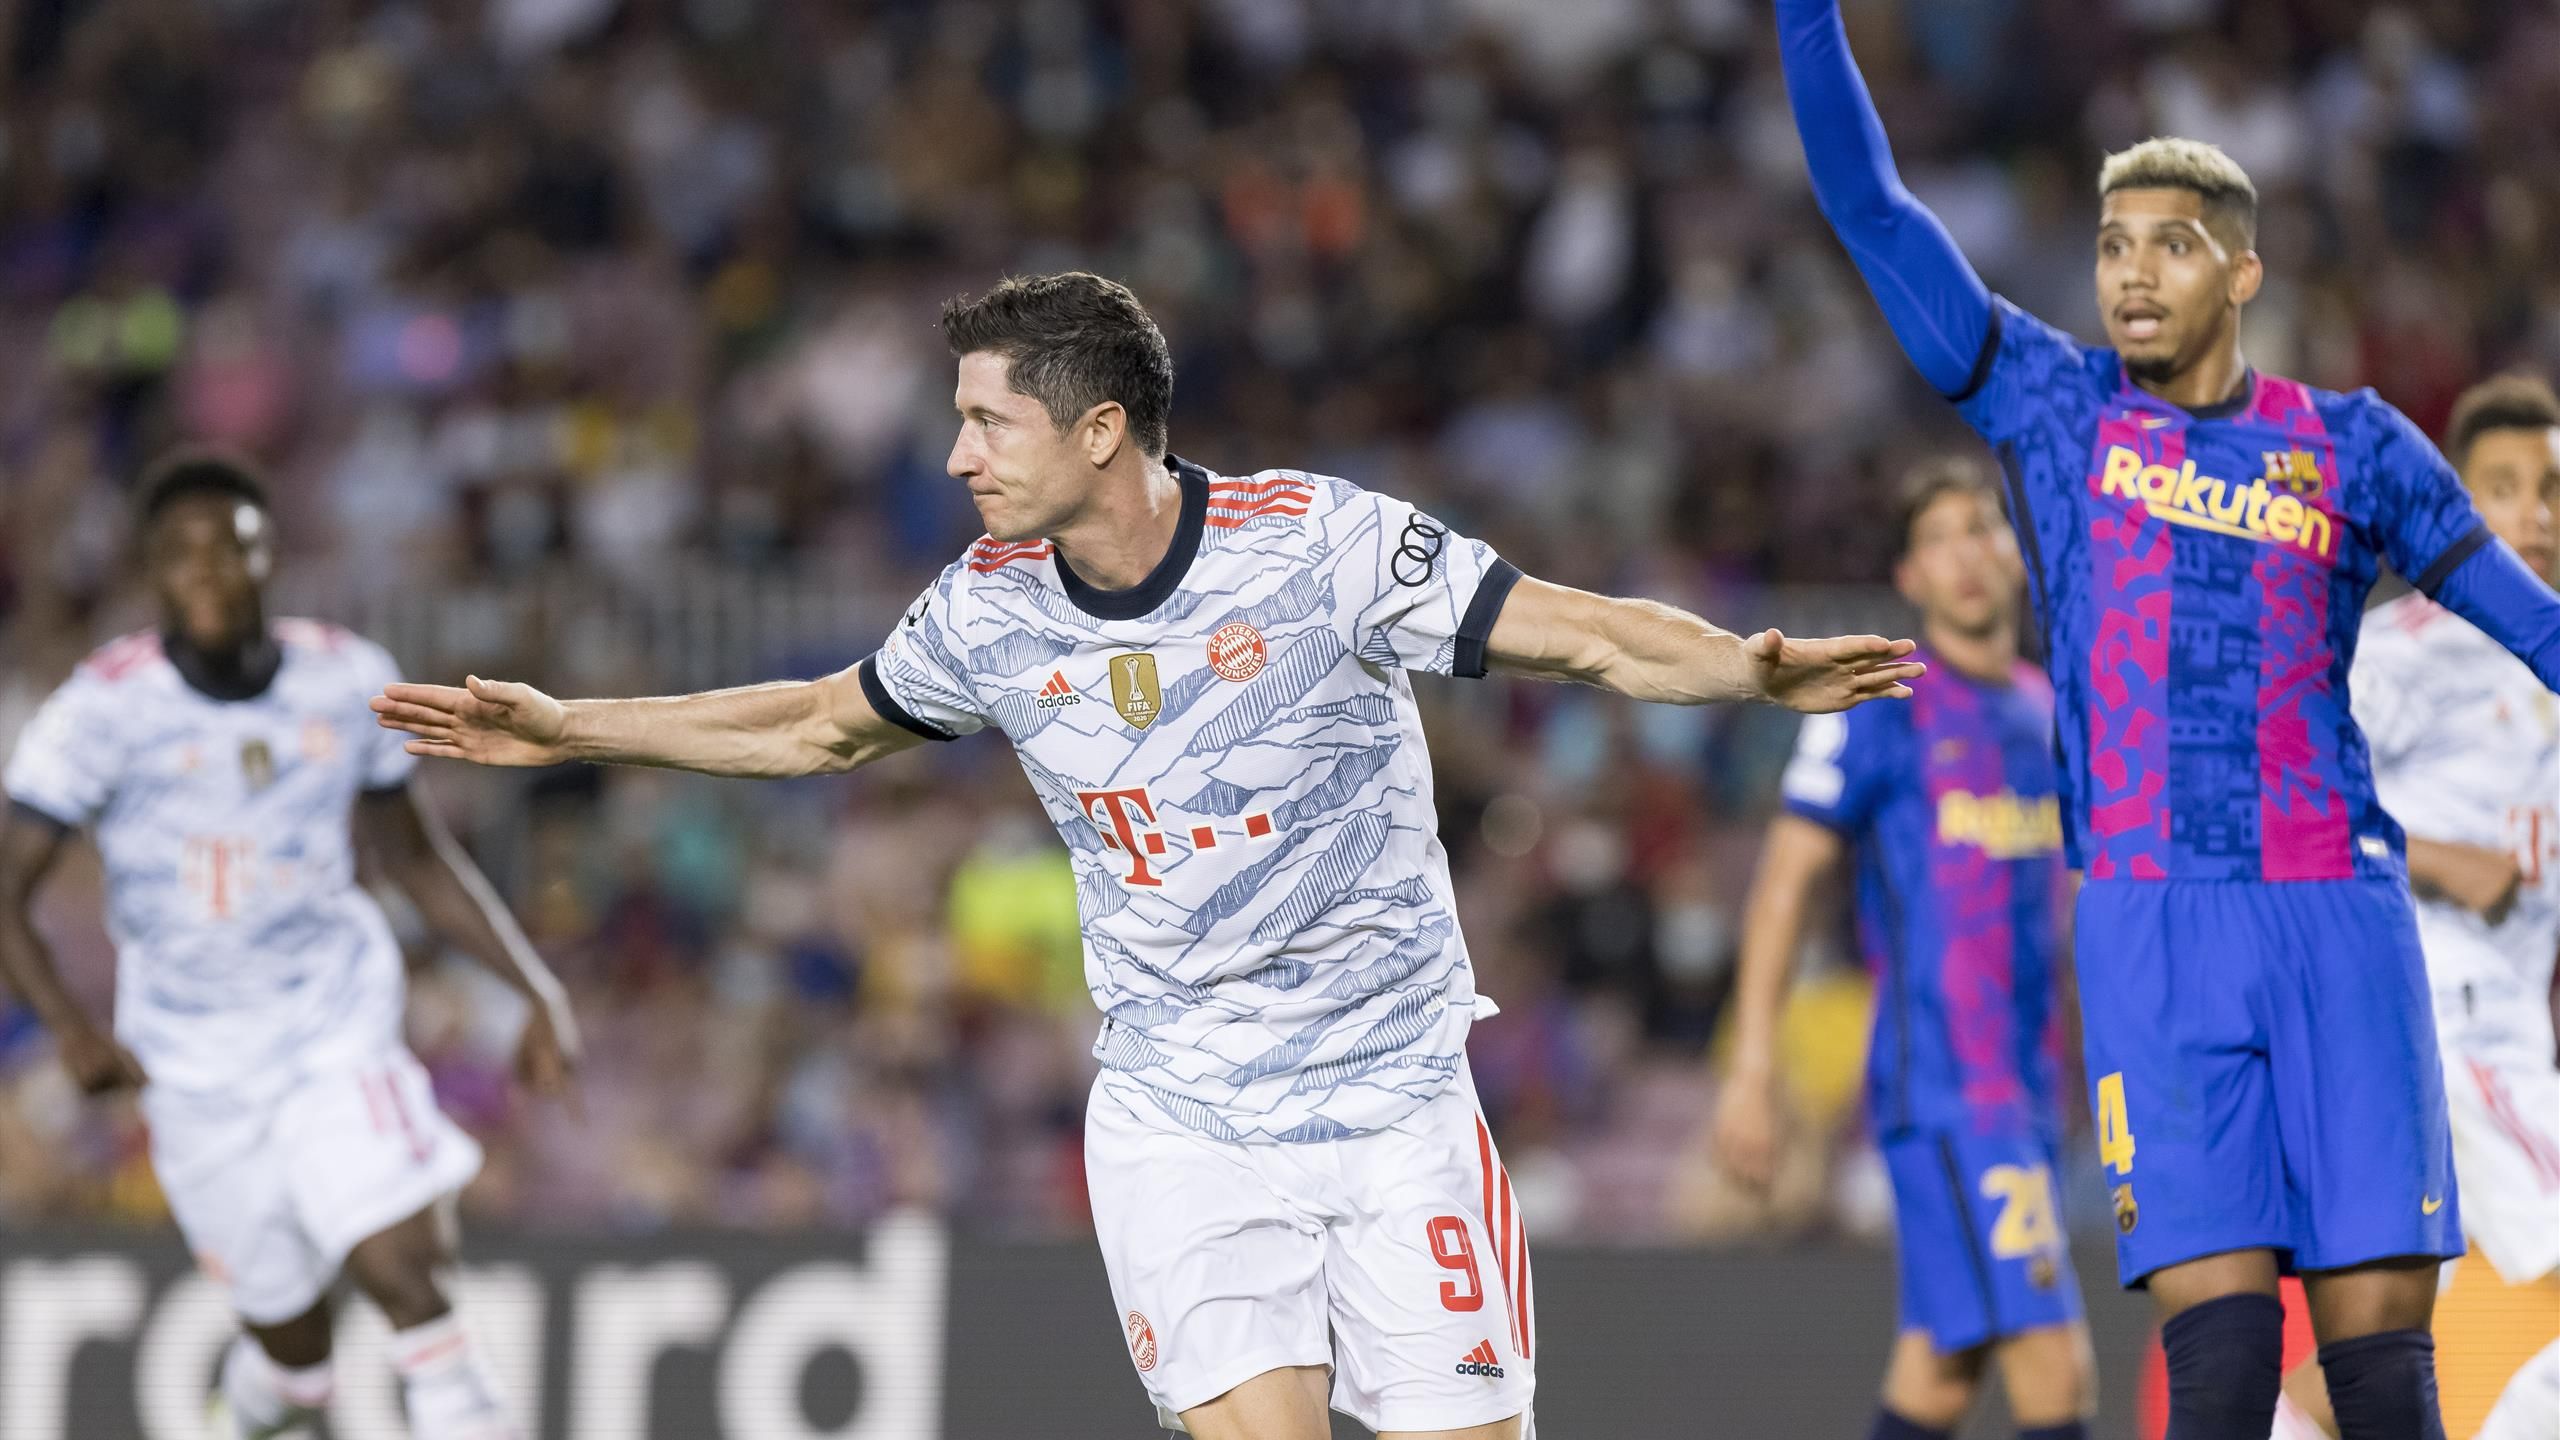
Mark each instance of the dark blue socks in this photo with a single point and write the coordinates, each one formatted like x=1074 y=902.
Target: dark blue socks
x=2226 y=1367
x=1890 y=1426
x=2383 y=1387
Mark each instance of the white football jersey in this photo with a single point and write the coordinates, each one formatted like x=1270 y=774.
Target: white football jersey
x=1231 y=752
x=2466 y=748
x=245 y=950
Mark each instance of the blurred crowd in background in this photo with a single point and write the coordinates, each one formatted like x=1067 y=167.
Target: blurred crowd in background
x=591 y=342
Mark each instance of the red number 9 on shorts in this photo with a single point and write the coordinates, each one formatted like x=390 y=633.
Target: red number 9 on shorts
x=1451 y=1247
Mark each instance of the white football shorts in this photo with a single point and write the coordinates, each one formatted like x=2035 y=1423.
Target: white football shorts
x=272 y=1193
x=2505 y=1102
x=1230 y=1259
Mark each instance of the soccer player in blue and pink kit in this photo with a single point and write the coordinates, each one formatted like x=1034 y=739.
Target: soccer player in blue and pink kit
x=2201 y=538
x=1949 y=806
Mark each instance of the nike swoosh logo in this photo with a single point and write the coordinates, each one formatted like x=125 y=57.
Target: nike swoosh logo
x=917 y=613
x=2429 y=1206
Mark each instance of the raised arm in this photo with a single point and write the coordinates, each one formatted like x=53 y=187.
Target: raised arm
x=766 y=732
x=420 y=855
x=1937 y=306
x=1649 y=651
x=30 y=841
x=1796 y=855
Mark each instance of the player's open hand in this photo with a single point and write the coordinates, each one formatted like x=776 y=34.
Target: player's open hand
x=1821 y=676
x=98 y=1065
x=487 y=722
x=1746 y=1131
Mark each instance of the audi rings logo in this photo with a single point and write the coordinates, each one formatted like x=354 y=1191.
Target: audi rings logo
x=1417 y=551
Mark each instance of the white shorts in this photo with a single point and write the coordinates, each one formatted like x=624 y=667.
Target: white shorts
x=2506 y=1155
x=272 y=1193
x=1230 y=1259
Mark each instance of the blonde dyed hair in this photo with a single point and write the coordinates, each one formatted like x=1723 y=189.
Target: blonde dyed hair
x=2167 y=163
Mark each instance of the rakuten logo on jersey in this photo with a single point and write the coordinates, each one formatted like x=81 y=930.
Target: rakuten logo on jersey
x=1130 y=825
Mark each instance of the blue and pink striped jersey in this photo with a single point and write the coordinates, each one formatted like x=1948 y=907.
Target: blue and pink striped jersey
x=2202 y=577
x=1950 y=806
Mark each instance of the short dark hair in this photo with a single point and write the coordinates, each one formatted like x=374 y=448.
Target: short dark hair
x=1933 y=479
x=198 y=472
x=1074 y=341
x=2514 y=401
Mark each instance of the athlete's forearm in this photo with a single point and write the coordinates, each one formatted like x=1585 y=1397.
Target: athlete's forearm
x=2498 y=592
x=1666 y=655
x=1641 y=649
x=1772 y=930
x=1936 y=305
x=455 y=898
x=775 y=731
x=2430 y=866
x=29 y=843
x=26 y=964
x=1793 y=858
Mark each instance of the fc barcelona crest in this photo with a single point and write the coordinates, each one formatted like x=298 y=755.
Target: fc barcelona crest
x=1134 y=692
x=2295 y=471
x=257 y=765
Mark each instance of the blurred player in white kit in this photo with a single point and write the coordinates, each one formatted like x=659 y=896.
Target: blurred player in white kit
x=2466 y=756
x=231 y=773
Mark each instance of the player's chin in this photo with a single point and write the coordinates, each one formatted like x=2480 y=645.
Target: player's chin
x=1002 y=525
x=2153 y=361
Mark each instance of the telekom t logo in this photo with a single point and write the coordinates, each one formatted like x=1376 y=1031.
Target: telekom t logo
x=1127 y=820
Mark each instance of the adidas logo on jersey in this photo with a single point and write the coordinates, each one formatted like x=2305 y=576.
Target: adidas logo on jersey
x=1482 y=1361
x=1057 y=692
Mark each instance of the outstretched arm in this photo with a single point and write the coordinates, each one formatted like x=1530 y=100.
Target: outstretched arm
x=1649 y=651
x=2435 y=538
x=421 y=856
x=1797 y=854
x=1937 y=306
x=30 y=841
x=764 y=732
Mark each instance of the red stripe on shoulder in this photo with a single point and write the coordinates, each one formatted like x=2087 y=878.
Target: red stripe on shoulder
x=990 y=545
x=987 y=556
x=1256 y=487
x=119 y=658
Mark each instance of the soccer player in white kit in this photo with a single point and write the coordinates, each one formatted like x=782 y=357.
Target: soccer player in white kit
x=231 y=773
x=1206 y=680
x=2466 y=756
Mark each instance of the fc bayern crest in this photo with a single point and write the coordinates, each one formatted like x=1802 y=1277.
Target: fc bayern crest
x=1236 y=652
x=1142 y=1342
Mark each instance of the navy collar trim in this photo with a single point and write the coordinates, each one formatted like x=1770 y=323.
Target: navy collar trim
x=227 y=679
x=1143 y=597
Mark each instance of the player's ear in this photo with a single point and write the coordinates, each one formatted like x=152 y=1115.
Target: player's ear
x=1102 y=431
x=2248 y=273
x=1906 y=580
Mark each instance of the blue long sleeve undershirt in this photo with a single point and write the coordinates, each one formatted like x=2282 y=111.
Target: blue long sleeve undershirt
x=1938 y=308
x=2485 y=583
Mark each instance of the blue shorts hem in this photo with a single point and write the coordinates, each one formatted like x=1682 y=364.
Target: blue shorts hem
x=2304 y=1261
x=2134 y=1272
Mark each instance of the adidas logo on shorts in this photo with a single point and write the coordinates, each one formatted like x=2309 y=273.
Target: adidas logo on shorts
x=1057 y=692
x=1481 y=1361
